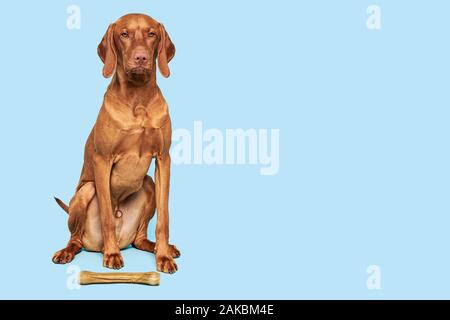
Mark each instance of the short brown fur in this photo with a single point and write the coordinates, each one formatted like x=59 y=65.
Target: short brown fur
x=115 y=198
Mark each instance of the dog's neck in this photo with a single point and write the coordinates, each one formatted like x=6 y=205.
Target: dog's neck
x=135 y=94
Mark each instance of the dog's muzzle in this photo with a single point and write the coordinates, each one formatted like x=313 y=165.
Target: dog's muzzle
x=138 y=70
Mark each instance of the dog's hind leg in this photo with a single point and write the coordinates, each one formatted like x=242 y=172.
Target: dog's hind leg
x=141 y=241
x=77 y=217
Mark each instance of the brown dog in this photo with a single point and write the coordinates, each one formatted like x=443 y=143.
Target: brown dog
x=115 y=198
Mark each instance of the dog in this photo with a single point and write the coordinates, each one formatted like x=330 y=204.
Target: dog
x=115 y=198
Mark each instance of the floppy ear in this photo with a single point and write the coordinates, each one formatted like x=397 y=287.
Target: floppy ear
x=107 y=52
x=166 y=51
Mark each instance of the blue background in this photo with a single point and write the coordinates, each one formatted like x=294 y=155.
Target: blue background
x=364 y=159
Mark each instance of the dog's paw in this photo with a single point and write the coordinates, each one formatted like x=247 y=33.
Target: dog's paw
x=112 y=260
x=165 y=263
x=174 y=251
x=63 y=256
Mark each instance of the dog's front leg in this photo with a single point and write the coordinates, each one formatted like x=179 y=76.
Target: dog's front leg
x=111 y=251
x=164 y=259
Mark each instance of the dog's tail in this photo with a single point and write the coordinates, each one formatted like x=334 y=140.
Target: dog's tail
x=64 y=206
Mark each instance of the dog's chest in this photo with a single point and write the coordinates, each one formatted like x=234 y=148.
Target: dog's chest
x=140 y=134
x=142 y=118
x=138 y=137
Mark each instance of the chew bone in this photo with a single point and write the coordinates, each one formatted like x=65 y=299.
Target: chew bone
x=148 y=278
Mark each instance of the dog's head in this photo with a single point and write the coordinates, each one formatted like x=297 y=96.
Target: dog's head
x=134 y=43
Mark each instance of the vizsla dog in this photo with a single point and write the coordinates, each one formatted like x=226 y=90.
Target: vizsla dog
x=115 y=198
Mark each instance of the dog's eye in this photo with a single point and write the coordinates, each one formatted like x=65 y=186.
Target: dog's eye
x=124 y=34
x=151 y=34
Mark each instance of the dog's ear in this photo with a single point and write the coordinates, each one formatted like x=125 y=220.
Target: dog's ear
x=107 y=52
x=166 y=51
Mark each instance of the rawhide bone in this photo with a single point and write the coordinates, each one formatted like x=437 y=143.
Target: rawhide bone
x=148 y=278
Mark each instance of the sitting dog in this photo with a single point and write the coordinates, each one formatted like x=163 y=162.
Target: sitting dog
x=115 y=198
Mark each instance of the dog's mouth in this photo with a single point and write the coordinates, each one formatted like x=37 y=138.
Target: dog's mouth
x=137 y=70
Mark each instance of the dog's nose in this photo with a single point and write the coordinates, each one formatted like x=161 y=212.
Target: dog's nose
x=140 y=56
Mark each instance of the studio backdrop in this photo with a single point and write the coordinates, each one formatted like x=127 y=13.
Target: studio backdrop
x=309 y=154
